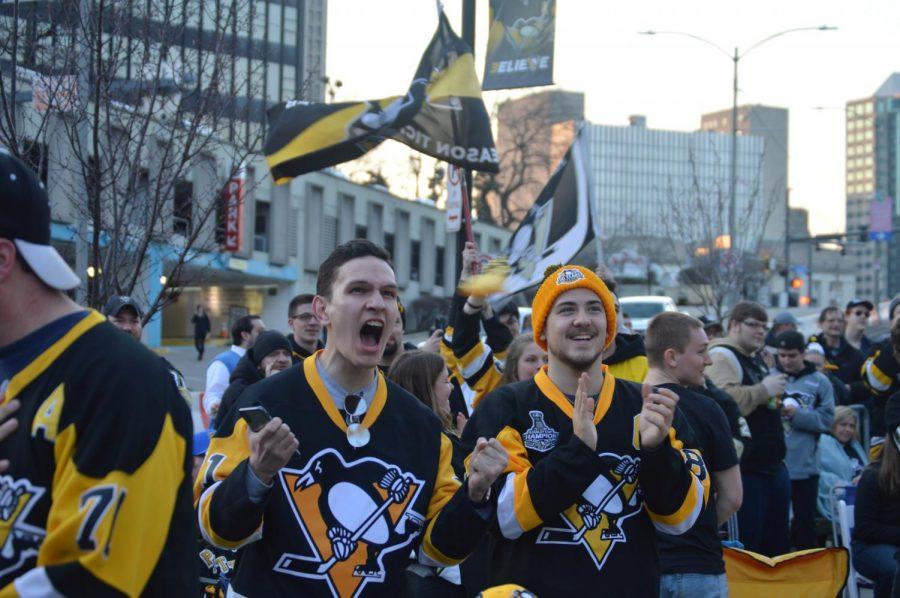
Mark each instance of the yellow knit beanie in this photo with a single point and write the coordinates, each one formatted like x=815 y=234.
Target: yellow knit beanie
x=566 y=278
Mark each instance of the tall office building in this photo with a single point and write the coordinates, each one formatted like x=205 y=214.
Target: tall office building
x=642 y=176
x=771 y=124
x=255 y=53
x=873 y=149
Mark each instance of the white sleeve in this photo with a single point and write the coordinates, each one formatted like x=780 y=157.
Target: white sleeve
x=216 y=383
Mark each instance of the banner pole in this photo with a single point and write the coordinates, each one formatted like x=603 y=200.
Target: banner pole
x=468 y=35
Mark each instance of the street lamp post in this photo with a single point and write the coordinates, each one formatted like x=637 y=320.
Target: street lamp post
x=735 y=59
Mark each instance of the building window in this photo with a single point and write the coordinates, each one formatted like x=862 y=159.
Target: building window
x=181 y=213
x=389 y=244
x=362 y=231
x=439 y=266
x=261 y=227
x=414 y=257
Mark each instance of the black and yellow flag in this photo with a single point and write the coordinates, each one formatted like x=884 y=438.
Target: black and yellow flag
x=441 y=115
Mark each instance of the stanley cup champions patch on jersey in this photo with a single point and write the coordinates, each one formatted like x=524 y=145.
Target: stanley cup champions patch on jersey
x=351 y=515
x=595 y=521
x=19 y=541
x=539 y=437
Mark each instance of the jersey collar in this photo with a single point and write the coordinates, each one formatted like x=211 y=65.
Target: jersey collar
x=318 y=387
x=549 y=389
x=50 y=354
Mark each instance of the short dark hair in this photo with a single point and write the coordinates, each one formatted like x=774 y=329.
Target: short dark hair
x=297 y=301
x=668 y=330
x=342 y=254
x=242 y=324
x=824 y=313
x=747 y=309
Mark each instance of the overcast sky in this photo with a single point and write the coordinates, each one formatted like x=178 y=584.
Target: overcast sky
x=374 y=48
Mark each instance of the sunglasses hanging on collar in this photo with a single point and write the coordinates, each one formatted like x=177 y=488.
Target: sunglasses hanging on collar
x=355 y=408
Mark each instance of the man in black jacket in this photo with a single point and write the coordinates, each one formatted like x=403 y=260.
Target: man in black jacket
x=305 y=328
x=269 y=355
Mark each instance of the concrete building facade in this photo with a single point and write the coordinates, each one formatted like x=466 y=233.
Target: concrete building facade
x=641 y=175
x=771 y=124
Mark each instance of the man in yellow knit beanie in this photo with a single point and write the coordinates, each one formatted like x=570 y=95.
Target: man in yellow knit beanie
x=596 y=463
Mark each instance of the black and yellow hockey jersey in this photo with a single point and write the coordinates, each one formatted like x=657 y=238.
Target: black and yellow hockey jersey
x=339 y=521
x=572 y=522
x=97 y=499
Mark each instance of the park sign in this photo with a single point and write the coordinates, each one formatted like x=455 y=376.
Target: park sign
x=442 y=115
x=234 y=201
x=520 y=44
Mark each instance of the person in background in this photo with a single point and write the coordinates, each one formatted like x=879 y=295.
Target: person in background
x=243 y=335
x=523 y=360
x=714 y=330
x=782 y=322
x=306 y=329
x=738 y=370
x=626 y=356
x=202 y=327
x=857 y=315
x=876 y=533
x=396 y=346
x=270 y=354
x=815 y=354
x=807 y=408
x=841 y=457
x=124 y=313
x=424 y=375
x=691 y=563
x=508 y=315
x=881 y=375
x=841 y=358
x=477 y=362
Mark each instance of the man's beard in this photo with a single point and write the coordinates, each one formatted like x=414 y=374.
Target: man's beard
x=578 y=364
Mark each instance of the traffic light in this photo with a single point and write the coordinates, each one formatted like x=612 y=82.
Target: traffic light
x=796 y=283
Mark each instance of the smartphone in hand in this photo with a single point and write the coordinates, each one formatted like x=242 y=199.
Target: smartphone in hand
x=256 y=417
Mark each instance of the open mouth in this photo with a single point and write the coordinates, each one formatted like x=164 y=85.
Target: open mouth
x=371 y=332
x=582 y=337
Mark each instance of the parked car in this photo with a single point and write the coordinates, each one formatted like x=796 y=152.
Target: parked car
x=640 y=309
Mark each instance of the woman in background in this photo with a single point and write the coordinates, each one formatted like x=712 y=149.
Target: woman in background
x=842 y=457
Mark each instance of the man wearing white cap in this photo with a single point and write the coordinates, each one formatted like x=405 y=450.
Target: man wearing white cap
x=80 y=446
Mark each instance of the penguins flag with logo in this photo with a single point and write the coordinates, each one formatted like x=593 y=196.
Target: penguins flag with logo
x=441 y=115
x=520 y=44
x=558 y=225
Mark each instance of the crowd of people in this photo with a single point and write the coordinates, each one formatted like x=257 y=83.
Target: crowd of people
x=342 y=460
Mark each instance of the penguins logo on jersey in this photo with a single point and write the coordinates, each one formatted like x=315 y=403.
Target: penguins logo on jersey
x=19 y=541
x=351 y=515
x=595 y=522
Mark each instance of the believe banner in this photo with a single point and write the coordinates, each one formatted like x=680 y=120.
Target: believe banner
x=520 y=44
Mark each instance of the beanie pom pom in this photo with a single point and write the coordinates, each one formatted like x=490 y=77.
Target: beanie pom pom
x=551 y=269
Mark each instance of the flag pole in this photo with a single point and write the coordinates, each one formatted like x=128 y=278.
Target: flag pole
x=468 y=35
x=466 y=208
